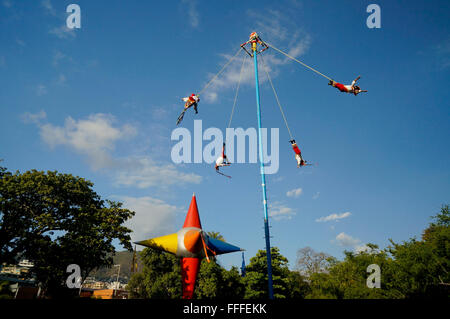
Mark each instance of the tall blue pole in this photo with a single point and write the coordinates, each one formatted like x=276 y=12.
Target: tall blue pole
x=263 y=176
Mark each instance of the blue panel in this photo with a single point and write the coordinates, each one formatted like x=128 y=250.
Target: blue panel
x=220 y=247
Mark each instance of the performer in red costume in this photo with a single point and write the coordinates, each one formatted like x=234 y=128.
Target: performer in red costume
x=352 y=88
x=298 y=154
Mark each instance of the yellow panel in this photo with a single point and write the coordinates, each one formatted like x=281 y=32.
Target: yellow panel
x=168 y=243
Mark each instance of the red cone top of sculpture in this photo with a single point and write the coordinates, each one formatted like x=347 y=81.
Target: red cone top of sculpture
x=192 y=217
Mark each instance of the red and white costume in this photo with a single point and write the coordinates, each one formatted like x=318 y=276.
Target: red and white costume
x=222 y=160
x=191 y=100
x=352 y=88
x=298 y=155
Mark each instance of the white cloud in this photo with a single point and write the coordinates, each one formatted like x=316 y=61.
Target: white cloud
x=294 y=192
x=153 y=218
x=47 y=5
x=36 y=118
x=143 y=172
x=230 y=77
x=192 y=13
x=63 y=32
x=279 y=211
x=347 y=241
x=333 y=217
x=273 y=27
x=95 y=138
x=363 y=248
x=59 y=57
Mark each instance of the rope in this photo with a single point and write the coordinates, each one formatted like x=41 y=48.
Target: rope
x=237 y=90
x=218 y=73
x=204 y=248
x=276 y=97
x=305 y=65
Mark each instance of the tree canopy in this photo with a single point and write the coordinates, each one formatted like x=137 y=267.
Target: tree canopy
x=55 y=220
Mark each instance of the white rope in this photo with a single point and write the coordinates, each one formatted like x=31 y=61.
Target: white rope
x=218 y=73
x=276 y=97
x=305 y=65
x=237 y=90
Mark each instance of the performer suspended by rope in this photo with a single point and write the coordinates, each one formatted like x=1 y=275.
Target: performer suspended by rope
x=343 y=88
x=191 y=100
x=222 y=161
x=195 y=98
x=352 y=88
x=298 y=154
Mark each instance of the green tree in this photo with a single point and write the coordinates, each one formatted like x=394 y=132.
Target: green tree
x=160 y=277
x=215 y=235
x=348 y=279
x=423 y=266
x=209 y=280
x=413 y=268
x=233 y=285
x=56 y=220
x=215 y=282
x=256 y=279
x=298 y=286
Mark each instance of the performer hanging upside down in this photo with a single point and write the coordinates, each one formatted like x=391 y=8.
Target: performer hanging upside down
x=347 y=88
x=191 y=101
x=298 y=154
x=222 y=161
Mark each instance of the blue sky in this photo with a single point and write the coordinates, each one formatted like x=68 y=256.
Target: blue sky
x=101 y=102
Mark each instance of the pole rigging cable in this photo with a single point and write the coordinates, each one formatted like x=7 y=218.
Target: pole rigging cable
x=237 y=90
x=276 y=97
x=298 y=61
x=218 y=73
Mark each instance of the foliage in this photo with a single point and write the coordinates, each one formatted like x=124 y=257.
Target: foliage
x=414 y=268
x=215 y=282
x=55 y=220
x=160 y=277
x=256 y=279
x=423 y=266
x=347 y=279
